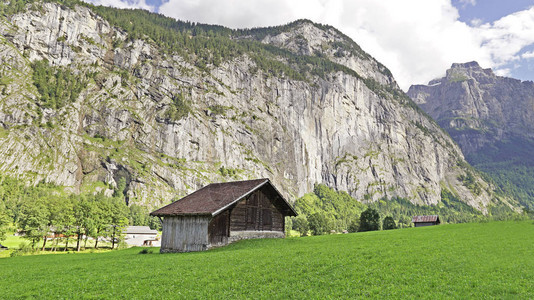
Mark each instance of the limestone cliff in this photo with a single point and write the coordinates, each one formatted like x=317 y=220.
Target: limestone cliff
x=169 y=124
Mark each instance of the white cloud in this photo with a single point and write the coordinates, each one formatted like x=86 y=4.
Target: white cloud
x=123 y=4
x=468 y=2
x=476 y=22
x=416 y=39
x=505 y=38
x=527 y=55
x=506 y=72
x=242 y=14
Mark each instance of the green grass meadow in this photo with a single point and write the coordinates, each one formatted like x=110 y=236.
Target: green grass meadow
x=478 y=260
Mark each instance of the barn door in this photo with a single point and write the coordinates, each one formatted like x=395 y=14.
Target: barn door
x=218 y=229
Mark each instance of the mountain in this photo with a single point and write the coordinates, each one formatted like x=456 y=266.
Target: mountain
x=93 y=98
x=492 y=120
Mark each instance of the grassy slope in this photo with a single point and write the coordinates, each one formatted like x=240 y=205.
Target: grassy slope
x=462 y=260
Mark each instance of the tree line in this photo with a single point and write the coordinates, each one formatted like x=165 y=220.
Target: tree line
x=326 y=209
x=368 y=220
x=43 y=213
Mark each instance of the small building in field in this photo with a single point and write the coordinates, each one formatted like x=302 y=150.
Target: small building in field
x=421 y=221
x=140 y=236
x=221 y=213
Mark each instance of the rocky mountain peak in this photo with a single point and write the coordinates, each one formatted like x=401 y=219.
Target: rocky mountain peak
x=467 y=65
x=476 y=106
x=470 y=70
x=305 y=37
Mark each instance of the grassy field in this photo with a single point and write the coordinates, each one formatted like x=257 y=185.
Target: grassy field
x=478 y=260
x=14 y=242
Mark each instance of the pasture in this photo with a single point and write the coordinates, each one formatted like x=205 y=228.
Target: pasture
x=478 y=260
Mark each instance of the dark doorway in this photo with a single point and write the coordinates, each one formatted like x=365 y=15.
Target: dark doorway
x=218 y=229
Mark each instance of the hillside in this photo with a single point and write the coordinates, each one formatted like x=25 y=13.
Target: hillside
x=93 y=96
x=492 y=120
x=478 y=260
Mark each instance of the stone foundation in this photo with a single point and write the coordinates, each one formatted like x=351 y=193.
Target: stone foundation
x=244 y=235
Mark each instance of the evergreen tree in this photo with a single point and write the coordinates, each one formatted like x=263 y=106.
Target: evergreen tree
x=5 y=222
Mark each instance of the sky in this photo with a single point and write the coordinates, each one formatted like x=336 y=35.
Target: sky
x=416 y=39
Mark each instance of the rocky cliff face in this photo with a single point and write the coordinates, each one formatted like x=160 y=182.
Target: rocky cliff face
x=353 y=130
x=477 y=107
x=491 y=118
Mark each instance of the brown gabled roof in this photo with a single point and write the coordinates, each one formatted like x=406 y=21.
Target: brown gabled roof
x=424 y=219
x=215 y=198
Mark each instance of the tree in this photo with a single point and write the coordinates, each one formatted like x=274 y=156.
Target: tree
x=5 y=221
x=138 y=215
x=389 y=223
x=34 y=220
x=121 y=188
x=119 y=219
x=318 y=224
x=369 y=220
x=102 y=217
x=61 y=218
x=300 y=224
x=354 y=226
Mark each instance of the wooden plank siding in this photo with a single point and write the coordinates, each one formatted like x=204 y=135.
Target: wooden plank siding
x=185 y=233
x=218 y=229
x=256 y=213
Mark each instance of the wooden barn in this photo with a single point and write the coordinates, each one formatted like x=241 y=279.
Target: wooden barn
x=221 y=213
x=421 y=221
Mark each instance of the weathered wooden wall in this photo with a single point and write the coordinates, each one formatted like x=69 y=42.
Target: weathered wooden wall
x=185 y=234
x=256 y=213
x=218 y=229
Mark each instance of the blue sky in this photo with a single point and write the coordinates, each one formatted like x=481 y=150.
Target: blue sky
x=489 y=10
x=416 y=39
x=486 y=11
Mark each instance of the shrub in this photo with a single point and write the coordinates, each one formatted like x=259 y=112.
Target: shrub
x=301 y=225
x=389 y=223
x=179 y=108
x=24 y=248
x=354 y=226
x=369 y=220
x=318 y=224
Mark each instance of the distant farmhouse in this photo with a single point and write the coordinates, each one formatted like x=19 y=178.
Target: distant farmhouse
x=421 y=221
x=141 y=236
x=221 y=213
